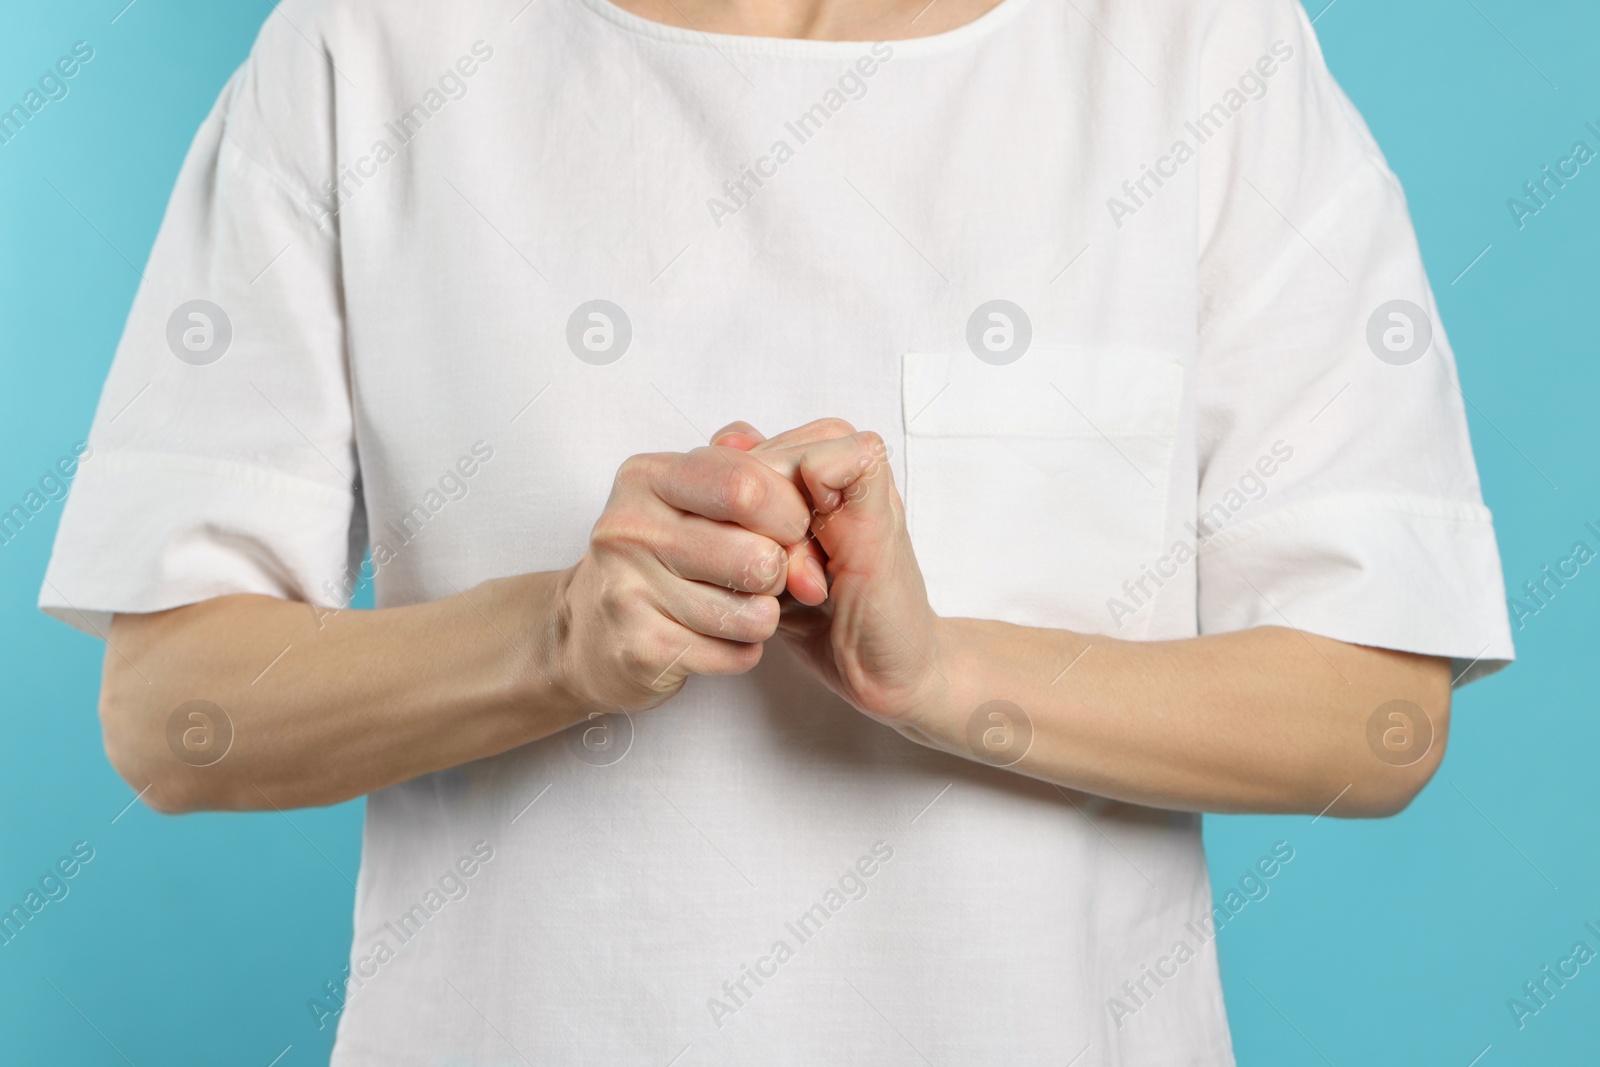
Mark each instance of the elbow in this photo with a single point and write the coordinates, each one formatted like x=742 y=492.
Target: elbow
x=1405 y=745
x=135 y=741
x=1385 y=796
x=172 y=750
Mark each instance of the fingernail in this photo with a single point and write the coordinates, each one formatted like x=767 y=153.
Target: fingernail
x=814 y=569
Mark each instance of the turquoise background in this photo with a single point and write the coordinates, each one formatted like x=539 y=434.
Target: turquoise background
x=199 y=940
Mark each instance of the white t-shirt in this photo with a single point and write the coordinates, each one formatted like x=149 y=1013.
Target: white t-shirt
x=1199 y=409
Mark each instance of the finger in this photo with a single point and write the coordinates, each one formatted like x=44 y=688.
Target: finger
x=738 y=434
x=697 y=549
x=712 y=611
x=728 y=485
x=814 y=432
x=806 y=575
x=784 y=452
x=726 y=554
x=807 y=580
x=685 y=652
x=839 y=470
x=853 y=489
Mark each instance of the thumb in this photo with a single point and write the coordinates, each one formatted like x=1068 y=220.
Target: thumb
x=738 y=434
x=859 y=514
x=807 y=578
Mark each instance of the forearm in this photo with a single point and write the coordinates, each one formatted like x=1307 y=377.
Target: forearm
x=681 y=577
x=1263 y=720
x=326 y=706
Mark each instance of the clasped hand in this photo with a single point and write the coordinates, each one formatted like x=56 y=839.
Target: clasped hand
x=700 y=558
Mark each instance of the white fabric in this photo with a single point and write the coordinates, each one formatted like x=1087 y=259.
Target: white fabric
x=1199 y=365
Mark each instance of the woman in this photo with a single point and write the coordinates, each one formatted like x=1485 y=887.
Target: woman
x=1123 y=476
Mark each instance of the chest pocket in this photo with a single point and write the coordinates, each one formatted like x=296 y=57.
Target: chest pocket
x=1035 y=490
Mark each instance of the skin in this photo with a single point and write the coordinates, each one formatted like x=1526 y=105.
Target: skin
x=681 y=577
x=697 y=561
x=819 y=20
x=1262 y=720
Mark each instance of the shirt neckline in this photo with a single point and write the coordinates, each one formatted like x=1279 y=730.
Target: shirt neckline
x=962 y=35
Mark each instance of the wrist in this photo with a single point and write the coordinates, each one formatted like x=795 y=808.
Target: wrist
x=973 y=711
x=545 y=681
x=932 y=710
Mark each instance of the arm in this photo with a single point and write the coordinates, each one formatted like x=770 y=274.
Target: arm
x=680 y=578
x=1261 y=720
x=326 y=709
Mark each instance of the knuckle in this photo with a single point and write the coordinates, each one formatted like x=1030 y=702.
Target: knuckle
x=618 y=597
x=635 y=470
x=763 y=612
x=740 y=493
x=834 y=427
x=742 y=658
x=635 y=660
x=873 y=442
x=620 y=528
x=606 y=528
x=762 y=568
x=648 y=653
x=730 y=623
x=750 y=618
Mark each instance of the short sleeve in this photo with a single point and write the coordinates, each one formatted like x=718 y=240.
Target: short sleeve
x=1338 y=492
x=221 y=458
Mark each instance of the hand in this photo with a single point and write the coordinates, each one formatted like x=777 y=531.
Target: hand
x=874 y=641
x=681 y=576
